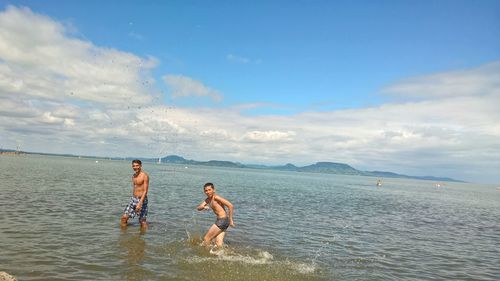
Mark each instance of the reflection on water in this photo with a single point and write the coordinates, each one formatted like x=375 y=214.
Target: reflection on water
x=132 y=250
x=132 y=246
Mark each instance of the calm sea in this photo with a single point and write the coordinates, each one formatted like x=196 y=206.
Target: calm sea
x=60 y=221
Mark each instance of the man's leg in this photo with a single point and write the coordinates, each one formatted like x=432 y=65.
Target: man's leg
x=211 y=234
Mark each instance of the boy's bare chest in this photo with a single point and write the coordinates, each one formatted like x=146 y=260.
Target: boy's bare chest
x=139 y=180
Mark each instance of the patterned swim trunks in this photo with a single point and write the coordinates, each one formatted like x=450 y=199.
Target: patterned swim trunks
x=130 y=209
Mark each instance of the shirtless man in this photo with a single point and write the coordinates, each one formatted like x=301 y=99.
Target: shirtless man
x=139 y=202
x=224 y=220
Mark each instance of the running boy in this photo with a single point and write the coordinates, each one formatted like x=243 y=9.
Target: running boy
x=224 y=219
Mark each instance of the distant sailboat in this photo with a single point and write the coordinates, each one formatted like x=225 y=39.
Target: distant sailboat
x=18 y=150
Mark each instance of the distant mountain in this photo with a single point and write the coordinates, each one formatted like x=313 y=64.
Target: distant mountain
x=174 y=159
x=394 y=175
x=331 y=168
x=218 y=163
x=257 y=166
x=319 y=167
x=287 y=167
x=383 y=174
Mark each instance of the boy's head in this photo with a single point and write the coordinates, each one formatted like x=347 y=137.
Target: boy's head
x=136 y=165
x=208 y=188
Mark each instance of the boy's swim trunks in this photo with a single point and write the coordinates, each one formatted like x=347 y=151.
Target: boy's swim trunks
x=222 y=223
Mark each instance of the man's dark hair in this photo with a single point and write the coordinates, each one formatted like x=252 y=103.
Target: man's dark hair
x=137 y=161
x=209 y=184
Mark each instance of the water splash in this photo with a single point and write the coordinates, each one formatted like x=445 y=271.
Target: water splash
x=251 y=257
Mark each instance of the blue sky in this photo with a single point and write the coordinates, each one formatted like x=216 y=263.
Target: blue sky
x=299 y=54
x=265 y=82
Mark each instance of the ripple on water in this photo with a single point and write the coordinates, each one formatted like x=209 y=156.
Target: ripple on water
x=289 y=226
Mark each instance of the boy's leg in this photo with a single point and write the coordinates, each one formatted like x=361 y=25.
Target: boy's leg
x=144 y=214
x=123 y=221
x=144 y=224
x=219 y=239
x=127 y=213
x=211 y=234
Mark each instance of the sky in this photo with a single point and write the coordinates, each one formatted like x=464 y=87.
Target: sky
x=411 y=87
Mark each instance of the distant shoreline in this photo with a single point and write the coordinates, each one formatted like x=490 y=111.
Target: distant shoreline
x=319 y=167
x=11 y=153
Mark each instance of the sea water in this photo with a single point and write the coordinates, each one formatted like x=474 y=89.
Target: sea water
x=60 y=221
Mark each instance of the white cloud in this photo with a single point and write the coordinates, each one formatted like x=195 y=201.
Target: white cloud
x=38 y=60
x=237 y=59
x=64 y=95
x=241 y=60
x=269 y=136
x=183 y=86
x=135 y=35
x=480 y=81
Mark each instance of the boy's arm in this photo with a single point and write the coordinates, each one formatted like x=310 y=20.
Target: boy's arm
x=201 y=207
x=229 y=206
x=145 y=193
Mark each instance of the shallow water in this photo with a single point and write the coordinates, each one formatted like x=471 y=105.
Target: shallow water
x=61 y=222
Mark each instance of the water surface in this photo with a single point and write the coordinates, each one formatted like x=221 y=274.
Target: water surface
x=60 y=221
